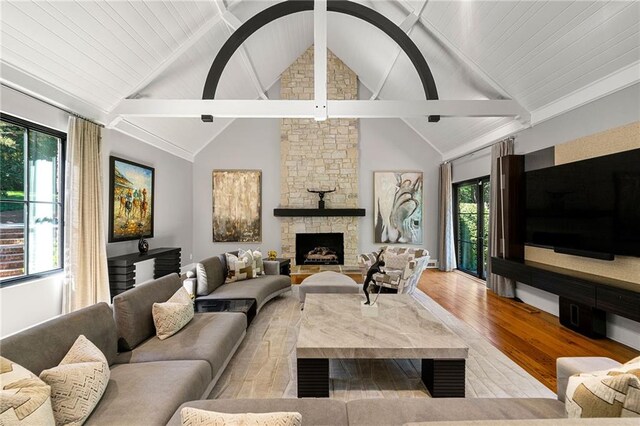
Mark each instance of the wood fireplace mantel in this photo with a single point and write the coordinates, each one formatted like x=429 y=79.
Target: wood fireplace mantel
x=296 y=212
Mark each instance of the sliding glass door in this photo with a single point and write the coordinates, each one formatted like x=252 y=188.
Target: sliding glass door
x=471 y=215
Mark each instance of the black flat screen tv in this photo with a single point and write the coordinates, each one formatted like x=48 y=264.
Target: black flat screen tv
x=589 y=208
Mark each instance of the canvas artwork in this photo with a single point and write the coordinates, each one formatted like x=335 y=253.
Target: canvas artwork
x=398 y=207
x=130 y=200
x=237 y=206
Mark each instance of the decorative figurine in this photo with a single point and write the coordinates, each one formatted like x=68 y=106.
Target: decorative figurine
x=374 y=269
x=272 y=254
x=321 y=195
x=143 y=245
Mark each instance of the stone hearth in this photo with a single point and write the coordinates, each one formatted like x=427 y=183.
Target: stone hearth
x=319 y=155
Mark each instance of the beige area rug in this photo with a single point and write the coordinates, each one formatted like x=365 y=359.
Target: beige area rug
x=265 y=364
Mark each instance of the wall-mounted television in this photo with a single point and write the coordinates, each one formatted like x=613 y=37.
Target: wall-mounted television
x=589 y=208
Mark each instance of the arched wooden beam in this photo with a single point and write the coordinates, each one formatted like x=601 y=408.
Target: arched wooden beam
x=340 y=6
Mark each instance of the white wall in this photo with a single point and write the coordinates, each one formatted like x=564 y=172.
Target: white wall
x=255 y=144
x=612 y=111
x=31 y=302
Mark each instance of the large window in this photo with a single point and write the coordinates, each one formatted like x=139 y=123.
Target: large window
x=31 y=199
x=471 y=211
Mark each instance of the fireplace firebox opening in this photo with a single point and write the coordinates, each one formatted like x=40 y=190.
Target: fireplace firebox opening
x=320 y=249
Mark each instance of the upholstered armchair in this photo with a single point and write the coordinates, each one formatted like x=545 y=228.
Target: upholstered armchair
x=403 y=267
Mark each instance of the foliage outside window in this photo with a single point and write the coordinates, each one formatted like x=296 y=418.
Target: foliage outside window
x=31 y=199
x=472 y=225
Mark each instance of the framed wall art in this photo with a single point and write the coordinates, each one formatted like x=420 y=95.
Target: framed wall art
x=131 y=195
x=237 y=206
x=397 y=207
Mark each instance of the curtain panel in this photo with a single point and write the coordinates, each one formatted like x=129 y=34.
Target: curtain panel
x=502 y=286
x=85 y=257
x=446 y=245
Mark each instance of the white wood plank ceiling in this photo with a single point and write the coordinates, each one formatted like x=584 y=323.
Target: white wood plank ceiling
x=549 y=56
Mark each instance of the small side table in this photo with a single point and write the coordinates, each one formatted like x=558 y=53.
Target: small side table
x=246 y=306
x=283 y=265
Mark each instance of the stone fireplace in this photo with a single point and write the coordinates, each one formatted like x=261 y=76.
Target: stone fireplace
x=320 y=248
x=319 y=155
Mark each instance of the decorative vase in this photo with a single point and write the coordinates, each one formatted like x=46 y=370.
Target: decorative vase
x=143 y=245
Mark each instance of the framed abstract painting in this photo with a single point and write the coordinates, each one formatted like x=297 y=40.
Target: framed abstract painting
x=237 y=206
x=397 y=207
x=131 y=195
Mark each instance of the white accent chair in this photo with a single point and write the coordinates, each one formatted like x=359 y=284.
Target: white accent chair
x=403 y=269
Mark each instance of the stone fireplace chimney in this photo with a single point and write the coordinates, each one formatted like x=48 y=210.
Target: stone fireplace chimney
x=319 y=155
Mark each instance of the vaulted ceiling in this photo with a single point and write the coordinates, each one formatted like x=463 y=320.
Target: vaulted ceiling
x=549 y=56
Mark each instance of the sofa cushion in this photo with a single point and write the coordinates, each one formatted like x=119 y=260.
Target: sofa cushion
x=26 y=400
x=148 y=393
x=132 y=310
x=77 y=384
x=400 y=411
x=209 y=337
x=260 y=289
x=314 y=411
x=169 y=317
x=55 y=337
x=210 y=275
x=195 y=417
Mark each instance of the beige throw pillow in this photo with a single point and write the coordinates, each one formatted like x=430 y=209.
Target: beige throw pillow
x=238 y=269
x=258 y=268
x=609 y=393
x=195 y=417
x=24 y=398
x=169 y=317
x=78 y=382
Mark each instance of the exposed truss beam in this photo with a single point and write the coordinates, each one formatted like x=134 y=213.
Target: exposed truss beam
x=180 y=108
x=233 y=23
x=320 y=59
x=475 y=68
x=406 y=26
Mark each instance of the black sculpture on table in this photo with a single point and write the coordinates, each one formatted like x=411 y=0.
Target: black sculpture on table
x=321 y=194
x=374 y=269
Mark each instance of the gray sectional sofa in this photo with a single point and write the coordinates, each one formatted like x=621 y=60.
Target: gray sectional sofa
x=149 y=378
x=390 y=412
x=208 y=283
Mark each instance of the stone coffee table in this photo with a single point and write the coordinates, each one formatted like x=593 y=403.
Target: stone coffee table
x=339 y=326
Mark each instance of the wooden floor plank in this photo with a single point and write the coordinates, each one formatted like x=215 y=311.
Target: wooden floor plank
x=532 y=340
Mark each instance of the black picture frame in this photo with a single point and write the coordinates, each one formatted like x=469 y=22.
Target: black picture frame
x=126 y=229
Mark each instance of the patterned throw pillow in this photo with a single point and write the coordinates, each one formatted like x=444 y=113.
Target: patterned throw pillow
x=609 y=393
x=195 y=417
x=237 y=269
x=247 y=257
x=78 y=382
x=169 y=317
x=258 y=268
x=24 y=398
x=397 y=261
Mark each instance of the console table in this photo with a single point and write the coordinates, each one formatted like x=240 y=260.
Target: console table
x=584 y=298
x=122 y=269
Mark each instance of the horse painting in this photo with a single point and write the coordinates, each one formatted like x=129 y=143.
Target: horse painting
x=131 y=192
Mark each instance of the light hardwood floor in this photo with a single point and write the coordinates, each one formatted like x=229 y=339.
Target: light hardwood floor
x=532 y=340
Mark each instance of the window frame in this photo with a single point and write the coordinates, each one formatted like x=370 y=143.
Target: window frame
x=479 y=182
x=29 y=125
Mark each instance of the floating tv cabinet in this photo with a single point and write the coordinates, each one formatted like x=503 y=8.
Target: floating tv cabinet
x=584 y=298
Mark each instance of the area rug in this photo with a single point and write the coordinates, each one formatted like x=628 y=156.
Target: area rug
x=265 y=364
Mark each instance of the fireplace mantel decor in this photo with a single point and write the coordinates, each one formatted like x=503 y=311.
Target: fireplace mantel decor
x=298 y=212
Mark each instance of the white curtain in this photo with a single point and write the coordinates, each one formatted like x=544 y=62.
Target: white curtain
x=446 y=246
x=85 y=257
x=505 y=287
